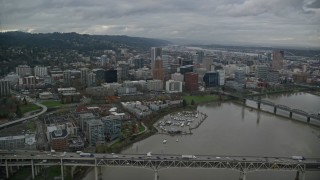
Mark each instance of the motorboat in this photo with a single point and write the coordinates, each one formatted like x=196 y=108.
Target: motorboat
x=164 y=141
x=177 y=140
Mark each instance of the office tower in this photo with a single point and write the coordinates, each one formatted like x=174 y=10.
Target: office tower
x=111 y=76
x=91 y=79
x=23 y=70
x=158 y=69
x=4 y=88
x=273 y=76
x=191 y=81
x=277 y=60
x=166 y=66
x=84 y=72
x=222 y=75
x=262 y=72
x=67 y=78
x=40 y=71
x=211 y=79
x=185 y=69
x=155 y=52
x=100 y=76
x=240 y=76
x=200 y=57
x=138 y=63
x=95 y=132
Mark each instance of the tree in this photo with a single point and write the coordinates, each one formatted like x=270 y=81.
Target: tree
x=18 y=111
x=192 y=102
x=184 y=103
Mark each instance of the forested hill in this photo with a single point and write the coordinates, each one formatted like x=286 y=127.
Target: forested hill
x=76 y=41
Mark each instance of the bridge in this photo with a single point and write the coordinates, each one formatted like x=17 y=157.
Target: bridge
x=157 y=162
x=275 y=106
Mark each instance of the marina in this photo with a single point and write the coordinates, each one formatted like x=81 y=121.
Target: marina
x=180 y=123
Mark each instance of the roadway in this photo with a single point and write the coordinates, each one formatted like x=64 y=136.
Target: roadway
x=44 y=109
x=73 y=159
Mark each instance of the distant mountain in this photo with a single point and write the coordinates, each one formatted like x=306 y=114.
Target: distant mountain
x=77 y=41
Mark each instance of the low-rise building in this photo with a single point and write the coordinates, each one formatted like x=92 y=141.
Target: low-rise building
x=27 y=141
x=59 y=140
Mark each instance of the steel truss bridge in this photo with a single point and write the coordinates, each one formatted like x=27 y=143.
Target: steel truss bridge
x=276 y=106
x=158 y=162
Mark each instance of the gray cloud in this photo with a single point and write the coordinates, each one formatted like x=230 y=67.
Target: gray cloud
x=272 y=22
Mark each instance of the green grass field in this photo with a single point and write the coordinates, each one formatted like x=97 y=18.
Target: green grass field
x=51 y=104
x=28 y=108
x=200 y=99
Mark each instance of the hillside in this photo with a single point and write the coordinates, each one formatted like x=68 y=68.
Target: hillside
x=76 y=41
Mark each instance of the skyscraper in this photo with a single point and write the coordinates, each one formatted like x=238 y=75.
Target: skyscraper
x=4 y=88
x=277 y=60
x=23 y=70
x=84 y=73
x=211 y=79
x=67 y=78
x=155 y=52
x=158 y=69
x=40 y=71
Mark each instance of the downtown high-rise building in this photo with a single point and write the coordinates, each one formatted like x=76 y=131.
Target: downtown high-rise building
x=40 y=71
x=4 y=88
x=23 y=70
x=158 y=69
x=84 y=74
x=277 y=60
x=155 y=52
x=67 y=78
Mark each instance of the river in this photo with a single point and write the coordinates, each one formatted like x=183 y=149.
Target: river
x=232 y=129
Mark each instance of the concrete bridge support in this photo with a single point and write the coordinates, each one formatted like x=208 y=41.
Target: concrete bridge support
x=275 y=110
x=290 y=114
x=242 y=175
x=308 y=119
x=32 y=168
x=35 y=170
x=259 y=104
x=7 y=169
x=156 y=176
x=62 y=174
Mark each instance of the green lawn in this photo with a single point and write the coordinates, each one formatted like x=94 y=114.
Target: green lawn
x=51 y=104
x=141 y=128
x=28 y=108
x=200 y=99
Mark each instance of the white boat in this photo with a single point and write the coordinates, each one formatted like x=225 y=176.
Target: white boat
x=182 y=124
x=188 y=124
x=177 y=140
x=164 y=141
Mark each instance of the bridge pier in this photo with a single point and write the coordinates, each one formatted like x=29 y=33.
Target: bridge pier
x=275 y=110
x=7 y=169
x=259 y=104
x=297 y=176
x=61 y=164
x=242 y=175
x=244 y=101
x=32 y=168
x=35 y=170
x=290 y=114
x=156 y=176
x=308 y=119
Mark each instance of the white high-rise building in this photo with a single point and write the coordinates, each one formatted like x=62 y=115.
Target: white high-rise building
x=23 y=70
x=155 y=85
x=84 y=73
x=222 y=75
x=4 y=88
x=40 y=71
x=91 y=79
x=173 y=86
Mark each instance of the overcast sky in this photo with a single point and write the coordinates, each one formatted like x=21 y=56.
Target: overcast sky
x=253 y=22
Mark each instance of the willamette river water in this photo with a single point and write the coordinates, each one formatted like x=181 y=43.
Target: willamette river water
x=232 y=129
